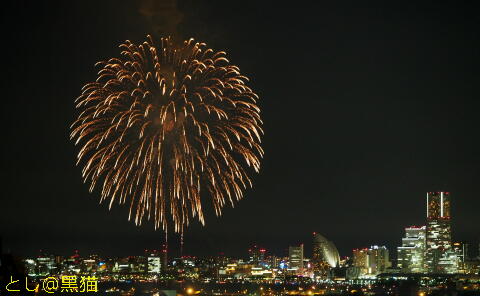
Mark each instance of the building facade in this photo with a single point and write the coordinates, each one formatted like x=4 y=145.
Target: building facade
x=371 y=261
x=461 y=250
x=360 y=261
x=295 y=257
x=154 y=261
x=256 y=255
x=378 y=259
x=439 y=256
x=411 y=254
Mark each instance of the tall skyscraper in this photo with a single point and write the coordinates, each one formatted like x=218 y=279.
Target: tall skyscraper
x=295 y=257
x=439 y=235
x=410 y=255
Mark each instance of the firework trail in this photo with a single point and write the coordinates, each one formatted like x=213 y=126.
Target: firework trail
x=168 y=129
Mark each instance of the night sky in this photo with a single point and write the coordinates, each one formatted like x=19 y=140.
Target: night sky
x=366 y=105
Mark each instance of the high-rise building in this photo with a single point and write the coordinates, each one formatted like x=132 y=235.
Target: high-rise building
x=325 y=255
x=295 y=257
x=439 y=257
x=154 y=264
x=461 y=251
x=360 y=261
x=410 y=255
x=371 y=261
x=273 y=261
x=257 y=255
x=378 y=259
x=46 y=265
x=154 y=261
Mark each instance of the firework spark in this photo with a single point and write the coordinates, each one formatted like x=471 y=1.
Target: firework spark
x=168 y=128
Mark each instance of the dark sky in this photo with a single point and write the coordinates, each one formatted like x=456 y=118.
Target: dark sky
x=367 y=106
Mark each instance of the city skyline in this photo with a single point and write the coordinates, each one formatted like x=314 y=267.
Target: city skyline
x=365 y=108
x=423 y=249
x=428 y=261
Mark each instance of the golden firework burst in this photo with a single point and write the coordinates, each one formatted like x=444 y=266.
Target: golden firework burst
x=165 y=127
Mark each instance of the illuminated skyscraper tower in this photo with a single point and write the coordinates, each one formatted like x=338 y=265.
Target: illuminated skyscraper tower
x=412 y=252
x=438 y=235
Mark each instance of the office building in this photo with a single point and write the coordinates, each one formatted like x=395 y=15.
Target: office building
x=410 y=255
x=257 y=255
x=439 y=257
x=378 y=259
x=154 y=265
x=295 y=257
x=371 y=261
